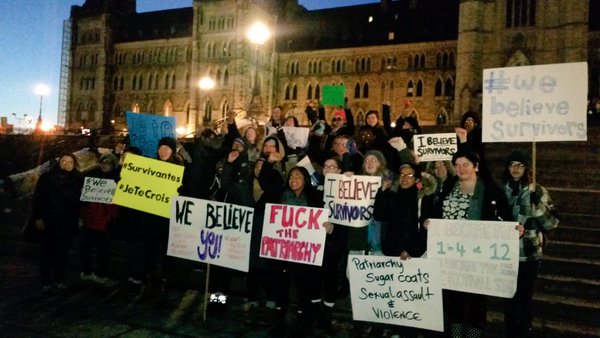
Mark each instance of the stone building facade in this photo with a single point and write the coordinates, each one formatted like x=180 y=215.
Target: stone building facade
x=424 y=58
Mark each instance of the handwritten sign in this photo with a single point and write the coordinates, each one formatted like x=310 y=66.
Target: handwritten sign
x=210 y=232
x=435 y=147
x=535 y=103
x=296 y=137
x=148 y=185
x=477 y=256
x=388 y=290
x=293 y=233
x=350 y=200
x=145 y=130
x=333 y=95
x=98 y=190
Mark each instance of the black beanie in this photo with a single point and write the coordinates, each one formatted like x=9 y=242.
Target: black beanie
x=518 y=156
x=169 y=142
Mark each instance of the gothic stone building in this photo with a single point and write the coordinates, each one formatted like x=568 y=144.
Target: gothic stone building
x=423 y=57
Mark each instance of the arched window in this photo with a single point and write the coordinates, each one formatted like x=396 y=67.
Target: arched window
x=449 y=88
x=309 y=92
x=410 y=89
x=318 y=92
x=134 y=83
x=366 y=90
x=294 y=92
x=226 y=78
x=438 y=88
x=218 y=78
x=287 y=92
x=173 y=81
x=166 y=81
x=357 y=91
x=422 y=61
x=140 y=82
x=419 y=88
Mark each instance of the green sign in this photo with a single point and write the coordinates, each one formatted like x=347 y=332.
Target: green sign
x=333 y=95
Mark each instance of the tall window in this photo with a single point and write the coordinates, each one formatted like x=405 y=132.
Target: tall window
x=520 y=13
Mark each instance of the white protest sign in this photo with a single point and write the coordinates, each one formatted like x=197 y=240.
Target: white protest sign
x=296 y=137
x=350 y=200
x=293 y=233
x=99 y=190
x=535 y=103
x=435 y=147
x=388 y=290
x=477 y=256
x=210 y=232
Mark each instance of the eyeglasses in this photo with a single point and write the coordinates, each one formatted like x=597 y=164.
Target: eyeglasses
x=336 y=119
x=517 y=165
x=330 y=167
x=67 y=162
x=407 y=175
x=371 y=160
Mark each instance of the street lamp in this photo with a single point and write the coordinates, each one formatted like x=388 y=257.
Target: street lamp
x=258 y=34
x=41 y=90
x=19 y=119
x=207 y=84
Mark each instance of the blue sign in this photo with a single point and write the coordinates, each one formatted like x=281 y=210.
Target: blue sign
x=145 y=130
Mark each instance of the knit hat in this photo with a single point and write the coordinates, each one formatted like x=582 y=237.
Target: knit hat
x=274 y=141
x=518 y=156
x=169 y=142
x=240 y=141
x=340 y=113
x=109 y=157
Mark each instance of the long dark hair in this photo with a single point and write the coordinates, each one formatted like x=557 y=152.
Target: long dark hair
x=305 y=174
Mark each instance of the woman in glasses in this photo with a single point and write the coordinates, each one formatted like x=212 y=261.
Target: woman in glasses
x=55 y=211
x=532 y=208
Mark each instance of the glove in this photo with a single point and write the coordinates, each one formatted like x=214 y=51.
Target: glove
x=397 y=143
x=534 y=198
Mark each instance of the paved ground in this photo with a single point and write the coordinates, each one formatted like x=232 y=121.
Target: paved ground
x=88 y=310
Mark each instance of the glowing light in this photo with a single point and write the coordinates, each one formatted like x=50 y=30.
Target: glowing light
x=258 y=33
x=206 y=83
x=41 y=89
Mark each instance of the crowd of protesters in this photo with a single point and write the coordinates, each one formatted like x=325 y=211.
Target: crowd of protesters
x=254 y=165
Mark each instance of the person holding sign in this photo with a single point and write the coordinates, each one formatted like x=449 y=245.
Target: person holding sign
x=299 y=192
x=467 y=196
x=95 y=232
x=533 y=209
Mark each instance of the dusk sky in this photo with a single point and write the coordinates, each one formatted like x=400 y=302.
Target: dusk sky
x=31 y=43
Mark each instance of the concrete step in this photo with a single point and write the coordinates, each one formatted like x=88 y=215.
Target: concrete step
x=576 y=268
x=576 y=201
x=575 y=250
x=565 y=286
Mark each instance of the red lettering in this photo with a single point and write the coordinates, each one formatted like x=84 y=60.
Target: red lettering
x=299 y=212
x=274 y=209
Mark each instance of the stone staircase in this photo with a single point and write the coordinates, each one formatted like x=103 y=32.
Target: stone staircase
x=567 y=296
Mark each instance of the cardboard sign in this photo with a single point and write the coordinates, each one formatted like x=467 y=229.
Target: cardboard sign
x=350 y=200
x=98 y=190
x=210 y=232
x=388 y=290
x=333 y=95
x=148 y=185
x=145 y=130
x=535 y=103
x=435 y=147
x=477 y=256
x=296 y=137
x=293 y=233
